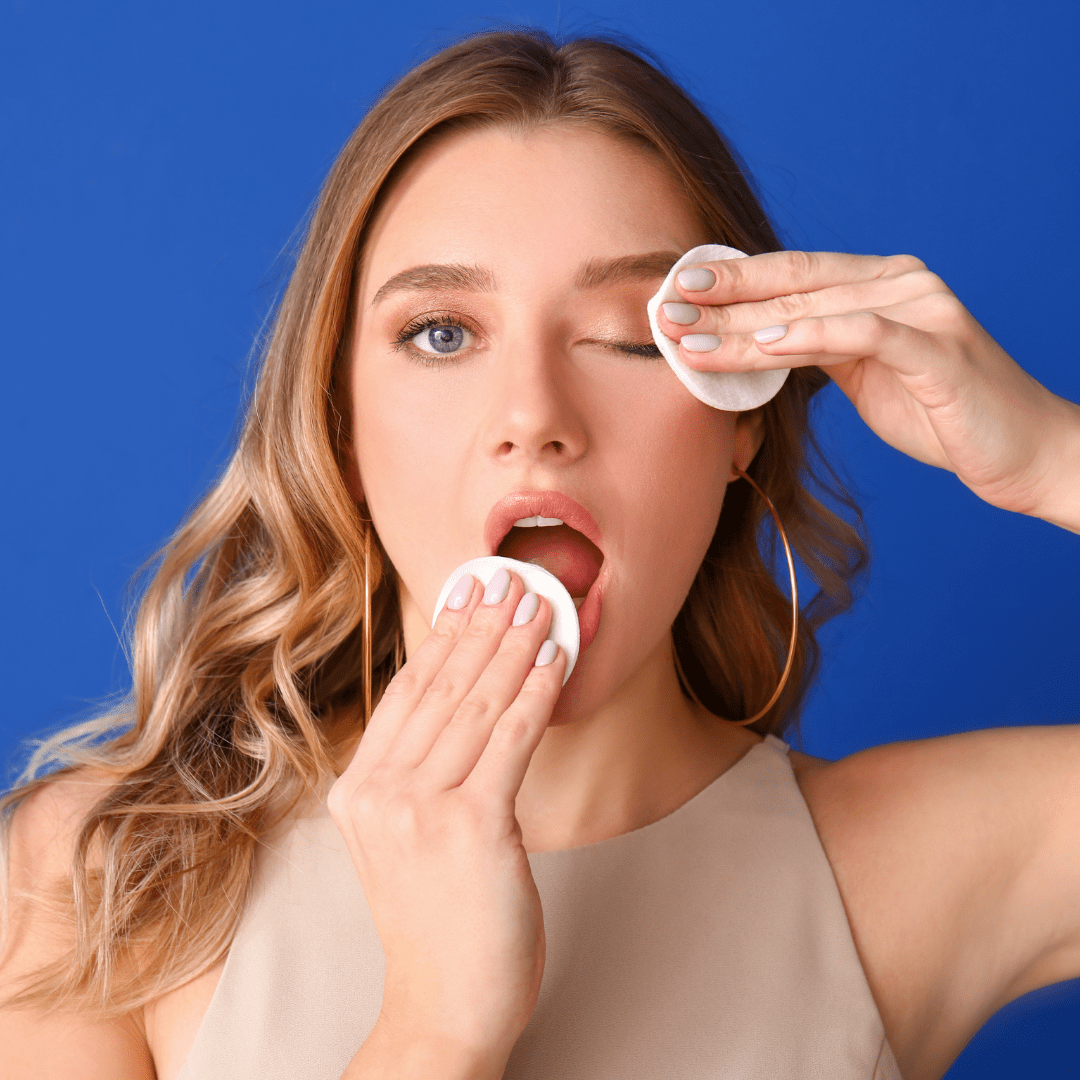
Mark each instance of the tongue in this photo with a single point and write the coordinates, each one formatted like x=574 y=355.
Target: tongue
x=572 y=558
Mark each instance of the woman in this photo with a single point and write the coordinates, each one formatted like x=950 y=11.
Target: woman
x=336 y=842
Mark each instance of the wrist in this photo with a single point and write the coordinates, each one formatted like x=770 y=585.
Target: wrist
x=1060 y=501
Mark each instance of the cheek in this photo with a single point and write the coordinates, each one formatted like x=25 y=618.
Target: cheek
x=671 y=473
x=683 y=451
x=406 y=445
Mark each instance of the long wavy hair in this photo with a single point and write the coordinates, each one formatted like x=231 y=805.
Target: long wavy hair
x=249 y=637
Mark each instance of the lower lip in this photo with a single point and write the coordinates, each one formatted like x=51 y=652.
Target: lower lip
x=589 y=615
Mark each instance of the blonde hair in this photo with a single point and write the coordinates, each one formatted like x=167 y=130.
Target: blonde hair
x=249 y=635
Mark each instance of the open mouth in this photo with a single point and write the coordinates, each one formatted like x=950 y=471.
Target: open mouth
x=561 y=550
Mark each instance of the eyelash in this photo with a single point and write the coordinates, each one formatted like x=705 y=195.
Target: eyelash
x=404 y=340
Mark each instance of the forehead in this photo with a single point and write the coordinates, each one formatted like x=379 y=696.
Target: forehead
x=538 y=203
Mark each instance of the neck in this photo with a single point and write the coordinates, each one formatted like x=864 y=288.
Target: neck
x=641 y=755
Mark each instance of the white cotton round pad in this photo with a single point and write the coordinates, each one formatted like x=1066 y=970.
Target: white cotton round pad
x=564 y=630
x=732 y=391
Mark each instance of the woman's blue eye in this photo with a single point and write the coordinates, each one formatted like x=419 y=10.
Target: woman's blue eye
x=441 y=339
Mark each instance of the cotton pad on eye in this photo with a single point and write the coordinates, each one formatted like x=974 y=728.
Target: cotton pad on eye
x=732 y=391
x=565 y=630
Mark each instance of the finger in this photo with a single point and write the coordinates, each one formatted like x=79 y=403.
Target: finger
x=472 y=653
x=820 y=341
x=679 y=319
x=501 y=768
x=409 y=684
x=780 y=273
x=461 y=742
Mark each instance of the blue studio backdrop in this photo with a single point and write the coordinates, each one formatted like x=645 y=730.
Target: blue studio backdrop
x=158 y=158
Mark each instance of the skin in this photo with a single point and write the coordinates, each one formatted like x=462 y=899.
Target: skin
x=957 y=858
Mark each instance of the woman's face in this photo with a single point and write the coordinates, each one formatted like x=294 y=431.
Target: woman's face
x=502 y=347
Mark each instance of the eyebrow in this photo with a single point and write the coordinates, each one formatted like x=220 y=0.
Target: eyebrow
x=598 y=272
x=462 y=278
x=433 y=276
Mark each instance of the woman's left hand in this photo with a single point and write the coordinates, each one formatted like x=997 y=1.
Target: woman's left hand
x=924 y=375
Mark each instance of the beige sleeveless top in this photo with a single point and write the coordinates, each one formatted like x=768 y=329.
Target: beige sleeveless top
x=709 y=945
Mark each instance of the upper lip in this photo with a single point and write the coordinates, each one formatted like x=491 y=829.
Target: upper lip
x=523 y=504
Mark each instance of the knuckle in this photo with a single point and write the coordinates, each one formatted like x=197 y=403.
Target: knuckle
x=476 y=707
x=905 y=264
x=800 y=263
x=874 y=326
x=354 y=802
x=445 y=630
x=403 y=685
x=944 y=308
x=927 y=282
x=444 y=688
x=734 y=270
x=791 y=307
x=338 y=799
x=515 y=726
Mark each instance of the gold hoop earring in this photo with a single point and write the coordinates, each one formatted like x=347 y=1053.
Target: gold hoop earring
x=366 y=634
x=794 y=617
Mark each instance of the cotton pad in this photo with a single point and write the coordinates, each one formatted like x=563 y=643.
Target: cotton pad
x=732 y=391
x=565 y=630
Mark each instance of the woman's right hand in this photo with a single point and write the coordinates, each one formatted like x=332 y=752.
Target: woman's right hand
x=426 y=807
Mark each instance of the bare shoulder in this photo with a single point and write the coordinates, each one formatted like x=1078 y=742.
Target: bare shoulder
x=34 y=1043
x=949 y=854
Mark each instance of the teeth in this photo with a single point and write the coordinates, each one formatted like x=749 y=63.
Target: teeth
x=531 y=522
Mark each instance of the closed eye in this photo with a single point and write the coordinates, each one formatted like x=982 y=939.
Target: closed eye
x=644 y=348
x=630 y=348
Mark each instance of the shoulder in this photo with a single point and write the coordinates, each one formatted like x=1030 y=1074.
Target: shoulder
x=949 y=853
x=41 y=840
x=45 y=825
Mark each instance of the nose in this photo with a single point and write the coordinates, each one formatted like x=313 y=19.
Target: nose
x=533 y=414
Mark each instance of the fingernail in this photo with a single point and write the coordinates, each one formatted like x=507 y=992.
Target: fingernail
x=459 y=595
x=700 y=342
x=770 y=333
x=527 y=607
x=683 y=314
x=696 y=280
x=547 y=653
x=497 y=587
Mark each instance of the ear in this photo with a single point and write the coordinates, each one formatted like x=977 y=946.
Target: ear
x=749 y=435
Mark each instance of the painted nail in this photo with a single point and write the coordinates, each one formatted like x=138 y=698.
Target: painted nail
x=547 y=653
x=770 y=333
x=459 y=595
x=683 y=314
x=498 y=587
x=700 y=342
x=696 y=280
x=527 y=608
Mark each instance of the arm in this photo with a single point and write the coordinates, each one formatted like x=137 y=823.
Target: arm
x=958 y=861
x=390 y=1054
x=35 y=1045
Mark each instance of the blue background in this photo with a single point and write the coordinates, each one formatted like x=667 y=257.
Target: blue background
x=158 y=158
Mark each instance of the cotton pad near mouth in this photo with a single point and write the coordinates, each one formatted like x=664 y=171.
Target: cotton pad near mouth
x=565 y=630
x=732 y=391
